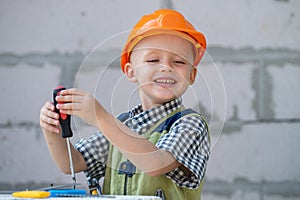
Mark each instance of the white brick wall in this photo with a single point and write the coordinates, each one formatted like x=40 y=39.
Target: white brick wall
x=257 y=152
x=240 y=23
x=253 y=56
x=286 y=93
x=26 y=158
x=65 y=26
x=240 y=98
x=23 y=90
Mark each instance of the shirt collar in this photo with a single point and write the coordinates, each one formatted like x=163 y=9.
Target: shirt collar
x=140 y=121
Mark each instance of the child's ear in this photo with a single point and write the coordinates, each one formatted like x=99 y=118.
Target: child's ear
x=193 y=75
x=129 y=72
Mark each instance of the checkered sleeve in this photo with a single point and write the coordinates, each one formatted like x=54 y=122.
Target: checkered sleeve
x=95 y=152
x=188 y=142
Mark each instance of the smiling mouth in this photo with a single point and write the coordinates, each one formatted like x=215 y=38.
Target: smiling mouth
x=165 y=82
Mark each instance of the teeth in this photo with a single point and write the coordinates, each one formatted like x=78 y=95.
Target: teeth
x=164 y=81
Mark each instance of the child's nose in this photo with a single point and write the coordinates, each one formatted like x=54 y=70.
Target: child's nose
x=166 y=66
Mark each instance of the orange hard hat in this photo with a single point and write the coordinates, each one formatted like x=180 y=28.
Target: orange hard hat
x=164 y=21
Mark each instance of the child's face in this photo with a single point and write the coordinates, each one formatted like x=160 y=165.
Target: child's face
x=162 y=67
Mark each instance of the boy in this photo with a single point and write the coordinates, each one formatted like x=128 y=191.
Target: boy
x=158 y=147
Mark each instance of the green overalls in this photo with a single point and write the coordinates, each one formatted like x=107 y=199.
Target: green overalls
x=122 y=178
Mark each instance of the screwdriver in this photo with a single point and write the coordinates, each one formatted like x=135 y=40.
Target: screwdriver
x=65 y=122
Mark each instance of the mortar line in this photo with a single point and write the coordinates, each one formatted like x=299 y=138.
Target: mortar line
x=217 y=53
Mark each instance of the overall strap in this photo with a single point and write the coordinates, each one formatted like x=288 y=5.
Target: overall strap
x=169 y=121
x=123 y=117
x=165 y=123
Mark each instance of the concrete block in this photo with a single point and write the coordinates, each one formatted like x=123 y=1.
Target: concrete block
x=66 y=26
x=286 y=93
x=238 y=195
x=278 y=197
x=248 y=195
x=25 y=160
x=111 y=88
x=238 y=81
x=256 y=153
x=242 y=188
x=234 y=24
x=229 y=85
x=24 y=90
x=25 y=157
x=44 y=27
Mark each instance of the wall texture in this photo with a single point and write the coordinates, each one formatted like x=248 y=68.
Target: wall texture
x=249 y=79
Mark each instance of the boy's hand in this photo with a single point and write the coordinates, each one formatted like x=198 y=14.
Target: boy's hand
x=49 y=118
x=80 y=103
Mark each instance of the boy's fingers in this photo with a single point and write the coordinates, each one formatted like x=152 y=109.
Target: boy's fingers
x=69 y=106
x=49 y=105
x=46 y=119
x=73 y=91
x=69 y=98
x=48 y=111
x=47 y=122
x=50 y=128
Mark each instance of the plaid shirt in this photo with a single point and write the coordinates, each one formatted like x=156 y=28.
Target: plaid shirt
x=187 y=140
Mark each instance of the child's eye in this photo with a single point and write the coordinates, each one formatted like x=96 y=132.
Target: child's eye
x=153 y=60
x=179 y=62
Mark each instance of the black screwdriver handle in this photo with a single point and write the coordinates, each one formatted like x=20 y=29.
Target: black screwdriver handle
x=64 y=119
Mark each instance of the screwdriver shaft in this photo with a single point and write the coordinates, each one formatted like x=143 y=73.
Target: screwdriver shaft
x=71 y=162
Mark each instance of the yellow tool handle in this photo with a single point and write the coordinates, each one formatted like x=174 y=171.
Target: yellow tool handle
x=31 y=194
